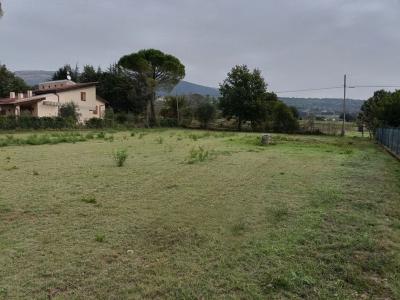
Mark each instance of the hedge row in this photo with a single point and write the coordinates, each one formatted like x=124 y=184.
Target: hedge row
x=11 y=123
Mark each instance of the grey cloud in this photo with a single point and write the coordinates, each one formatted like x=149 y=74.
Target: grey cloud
x=297 y=44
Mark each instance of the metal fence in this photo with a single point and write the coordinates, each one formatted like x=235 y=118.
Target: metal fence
x=390 y=138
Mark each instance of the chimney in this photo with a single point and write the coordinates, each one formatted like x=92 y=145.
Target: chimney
x=20 y=95
x=12 y=95
x=29 y=94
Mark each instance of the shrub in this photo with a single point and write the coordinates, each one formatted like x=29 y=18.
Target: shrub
x=168 y=122
x=283 y=119
x=101 y=135
x=120 y=157
x=95 y=123
x=205 y=113
x=68 y=111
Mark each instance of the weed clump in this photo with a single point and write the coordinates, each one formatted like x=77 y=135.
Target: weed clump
x=100 y=238
x=198 y=155
x=89 y=200
x=141 y=135
x=120 y=157
x=101 y=135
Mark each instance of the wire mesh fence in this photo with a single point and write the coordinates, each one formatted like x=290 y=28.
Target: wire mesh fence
x=390 y=138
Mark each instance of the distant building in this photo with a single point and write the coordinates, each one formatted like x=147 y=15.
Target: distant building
x=47 y=99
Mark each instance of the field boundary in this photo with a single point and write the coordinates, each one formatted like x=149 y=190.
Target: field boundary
x=389 y=139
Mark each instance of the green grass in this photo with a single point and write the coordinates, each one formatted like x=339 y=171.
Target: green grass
x=307 y=217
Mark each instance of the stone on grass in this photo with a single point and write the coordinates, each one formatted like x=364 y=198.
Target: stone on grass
x=266 y=139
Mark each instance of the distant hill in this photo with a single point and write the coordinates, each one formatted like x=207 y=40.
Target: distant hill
x=185 y=88
x=325 y=106
x=34 y=77
x=317 y=106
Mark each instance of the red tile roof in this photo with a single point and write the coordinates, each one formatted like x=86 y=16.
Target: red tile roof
x=16 y=101
x=64 y=89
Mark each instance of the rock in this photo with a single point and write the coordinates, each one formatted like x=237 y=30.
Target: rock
x=266 y=139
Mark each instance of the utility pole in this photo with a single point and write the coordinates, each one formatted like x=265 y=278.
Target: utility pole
x=177 y=109
x=344 y=105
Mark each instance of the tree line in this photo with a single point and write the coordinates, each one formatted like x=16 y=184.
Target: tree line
x=131 y=86
x=381 y=110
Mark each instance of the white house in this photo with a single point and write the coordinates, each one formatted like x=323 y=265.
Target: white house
x=47 y=99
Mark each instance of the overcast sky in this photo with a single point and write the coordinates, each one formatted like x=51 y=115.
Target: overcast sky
x=296 y=43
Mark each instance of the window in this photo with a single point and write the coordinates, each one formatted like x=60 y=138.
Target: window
x=96 y=111
x=83 y=96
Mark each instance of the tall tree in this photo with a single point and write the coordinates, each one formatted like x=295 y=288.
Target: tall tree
x=122 y=93
x=10 y=83
x=370 y=110
x=244 y=96
x=63 y=72
x=1 y=11
x=156 y=70
x=89 y=74
x=205 y=113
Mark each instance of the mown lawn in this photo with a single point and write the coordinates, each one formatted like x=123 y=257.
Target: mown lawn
x=308 y=217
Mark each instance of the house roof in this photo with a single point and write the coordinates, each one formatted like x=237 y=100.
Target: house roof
x=65 y=88
x=101 y=99
x=16 y=101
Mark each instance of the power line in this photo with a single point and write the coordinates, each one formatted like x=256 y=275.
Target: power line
x=338 y=87
x=375 y=86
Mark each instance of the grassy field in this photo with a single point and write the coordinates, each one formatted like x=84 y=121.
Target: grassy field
x=199 y=215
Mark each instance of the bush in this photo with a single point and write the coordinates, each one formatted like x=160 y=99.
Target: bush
x=205 y=113
x=69 y=111
x=120 y=157
x=96 y=123
x=168 y=122
x=28 y=122
x=283 y=119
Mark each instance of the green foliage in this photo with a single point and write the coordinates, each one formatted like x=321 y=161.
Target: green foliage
x=168 y=122
x=171 y=106
x=155 y=70
x=120 y=157
x=100 y=238
x=382 y=109
x=89 y=200
x=89 y=74
x=95 y=123
x=244 y=96
x=42 y=139
x=123 y=93
x=62 y=73
x=68 y=111
x=205 y=113
x=283 y=119
x=198 y=155
x=27 y=122
x=10 y=83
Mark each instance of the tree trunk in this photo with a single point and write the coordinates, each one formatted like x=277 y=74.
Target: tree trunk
x=152 y=119
x=239 y=125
